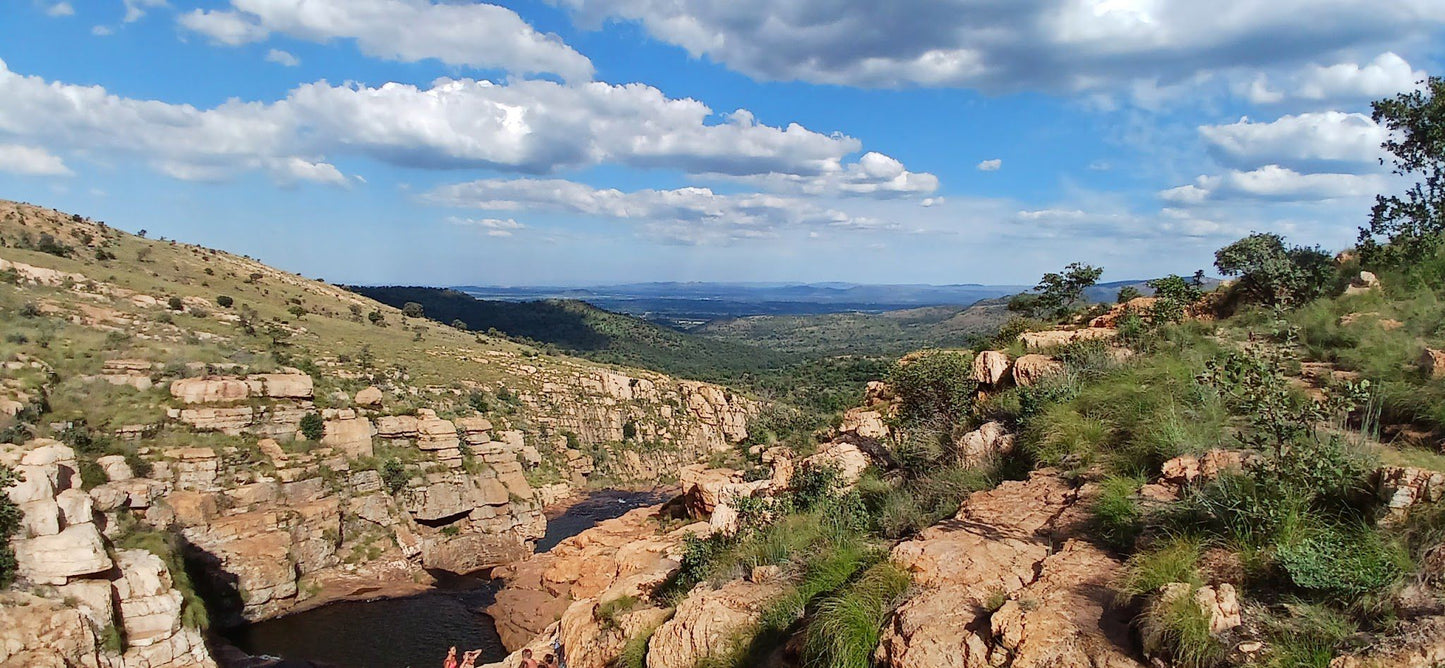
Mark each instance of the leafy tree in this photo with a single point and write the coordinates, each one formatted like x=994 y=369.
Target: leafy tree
x=458 y=324
x=1058 y=293
x=1411 y=226
x=413 y=310
x=224 y=301
x=1275 y=275
x=1127 y=293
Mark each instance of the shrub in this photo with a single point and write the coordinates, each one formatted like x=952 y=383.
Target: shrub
x=175 y=304
x=936 y=384
x=1128 y=293
x=376 y=317
x=92 y=474
x=29 y=310
x=413 y=310
x=10 y=516
x=313 y=427
x=394 y=475
x=1341 y=561
x=1274 y=275
x=224 y=301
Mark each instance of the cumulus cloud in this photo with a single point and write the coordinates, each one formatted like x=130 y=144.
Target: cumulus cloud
x=60 y=9
x=283 y=58
x=1067 y=45
x=873 y=175
x=101 y=31
x=1386 y=75
x=530 y=126
x=472 y=34
x=1275 y=183
x=684 y=215
x=1311 y=142
x=31 y=161
x=990 y=165
x=493 y=227
x=135 y=9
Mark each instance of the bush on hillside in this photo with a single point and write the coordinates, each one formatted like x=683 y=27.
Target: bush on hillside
x=313 y=427
x=10 y=515
x=1275 y=275
x=935 y=384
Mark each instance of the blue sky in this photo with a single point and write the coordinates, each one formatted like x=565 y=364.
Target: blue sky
x=596 y=141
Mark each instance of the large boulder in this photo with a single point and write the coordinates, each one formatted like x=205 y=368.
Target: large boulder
x=1432 y=362
x=1030 y=369
x=843 y=456
x=349 y=436
x=989 y=367
x=865 y=423
x=369 y=398
x=708 y=620
x=1060 y=337
x=985 y=443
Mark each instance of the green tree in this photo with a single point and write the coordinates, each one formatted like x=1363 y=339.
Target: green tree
x=1411 y=227
x=1058 y=293
x=1273 y=274
x=1175 y=294
x=413 y=310
x=376 y=317
x=938 y=384
x=224 y=301
x=1127 y=293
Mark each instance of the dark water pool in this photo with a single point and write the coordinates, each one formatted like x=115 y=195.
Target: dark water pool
x=409 y=632
x=415 y=631
x=596 y=507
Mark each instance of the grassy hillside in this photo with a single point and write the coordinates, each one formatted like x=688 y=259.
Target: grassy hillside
x=889 y=333
x=585 y=330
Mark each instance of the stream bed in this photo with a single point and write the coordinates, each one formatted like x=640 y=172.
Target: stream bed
x=416 y=631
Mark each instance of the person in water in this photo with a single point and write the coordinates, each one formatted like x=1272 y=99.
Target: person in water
x=451 y=660
x=527 y=660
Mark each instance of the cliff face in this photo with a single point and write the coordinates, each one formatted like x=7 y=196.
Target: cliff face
x=301 y=450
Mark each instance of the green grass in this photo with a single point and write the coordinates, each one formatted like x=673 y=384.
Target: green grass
x=1117 y=516
x=1178 y=628
x=1172 y=559
x=846 y=627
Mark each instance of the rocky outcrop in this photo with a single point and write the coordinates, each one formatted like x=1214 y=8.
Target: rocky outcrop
x=1054 y=338
x=865 y=423
x=627 y=556
x=1402 y=488
x=999 y=545
x=1416 y=644
x=709 y=621
x=1142 y=306
x=93 y=586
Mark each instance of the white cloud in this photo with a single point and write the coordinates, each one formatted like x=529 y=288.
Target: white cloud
x=31 y=161
x=283 y=58
x=223 y=27
x=60 y=9
x=932 y=201
x=135 y=9
x=990 y=165
x=1056 y=45
x=1386 y=75
x=683 y=215
x=101 y=31
x=1275 y=183
x=493 y=227
x=531 y=126
x=873 y=175
x=1321 y=141
x=472 y=34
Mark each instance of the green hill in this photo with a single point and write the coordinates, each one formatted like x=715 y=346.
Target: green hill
x=587 y=331
x=889 y=333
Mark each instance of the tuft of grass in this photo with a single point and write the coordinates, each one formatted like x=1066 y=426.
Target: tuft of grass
x=1173 y=559
x=1177 y=627
x=1116 y=513
x=847 y=625
x=1307 y=637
